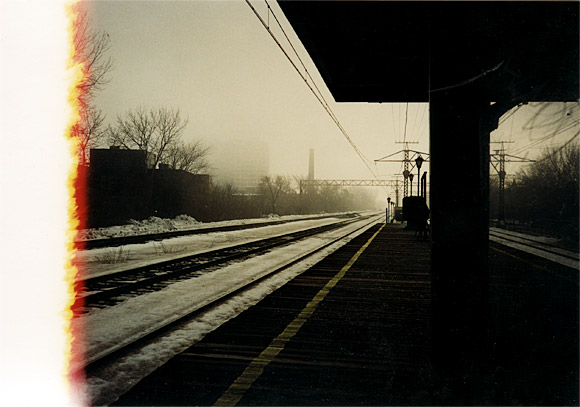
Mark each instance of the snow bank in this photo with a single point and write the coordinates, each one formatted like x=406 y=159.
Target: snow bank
x=140 y=227
x=181 y=222
x=93 y=263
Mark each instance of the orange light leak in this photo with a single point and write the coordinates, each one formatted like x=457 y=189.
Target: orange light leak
x=76 y=192
x=38 y=78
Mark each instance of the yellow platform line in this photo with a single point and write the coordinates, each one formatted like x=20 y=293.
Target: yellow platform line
x=235 y=392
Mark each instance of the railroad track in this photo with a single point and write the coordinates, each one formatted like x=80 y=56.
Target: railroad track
x=531 y=244
x=111 y=289
x=135 y=239
x=123 y=347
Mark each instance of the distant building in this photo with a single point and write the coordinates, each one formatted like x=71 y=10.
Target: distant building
x=122 y=185
x=241 y=163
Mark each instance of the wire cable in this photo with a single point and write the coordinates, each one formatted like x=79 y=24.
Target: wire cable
x=305 y=77
x=412 y=128
x=395 y=134
x=406 y=116
x=560 y=148
x=423 y=121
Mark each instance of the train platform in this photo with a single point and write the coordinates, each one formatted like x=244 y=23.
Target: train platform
x=355 y=329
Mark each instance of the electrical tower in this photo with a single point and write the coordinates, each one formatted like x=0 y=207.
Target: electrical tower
x=406 y=166
x=407 y=161
x=397 y=190
x=498 y=160
x=308 y=184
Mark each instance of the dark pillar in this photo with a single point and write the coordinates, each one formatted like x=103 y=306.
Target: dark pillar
x=459 y=218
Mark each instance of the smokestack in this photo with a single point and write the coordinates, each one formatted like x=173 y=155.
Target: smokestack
x=311 y=165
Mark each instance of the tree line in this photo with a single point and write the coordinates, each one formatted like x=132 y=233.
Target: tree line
x=544 y=195
x=279 y=195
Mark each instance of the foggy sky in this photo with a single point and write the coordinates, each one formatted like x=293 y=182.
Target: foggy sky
x=218 y=65
x=215 y=62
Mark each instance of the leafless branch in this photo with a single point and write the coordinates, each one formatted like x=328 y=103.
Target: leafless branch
x=170 y=127
x=91 y=49
x=89 y=131
x=154 y=130
x=273 y=188
x=190 y=157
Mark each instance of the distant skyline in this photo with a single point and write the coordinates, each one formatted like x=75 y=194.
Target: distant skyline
x=241 y=164
x=215 y=62
x=218 y=65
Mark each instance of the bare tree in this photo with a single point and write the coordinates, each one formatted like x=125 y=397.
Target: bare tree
x=547 y=192
x=154 y=131
x=170 y=127
x=135 y=130
x=273 y=188
x=190 y=157
x=89 y=131
x=330 y=196
x=91 y=49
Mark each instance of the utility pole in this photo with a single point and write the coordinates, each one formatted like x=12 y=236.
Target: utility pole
x=498 y=160
x=407 y=163
x=406 y=160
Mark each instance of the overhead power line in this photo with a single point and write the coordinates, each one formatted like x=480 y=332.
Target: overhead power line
x=423 y=122
x=406 y=117
x=313 y=88
x=551 y=124
x=560 y=148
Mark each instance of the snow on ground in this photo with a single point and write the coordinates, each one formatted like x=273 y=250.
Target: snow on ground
x=540 y=239
x=108 y=260
x=554 y=254
x=140 y=227
x=107 y=327
x=182 y=222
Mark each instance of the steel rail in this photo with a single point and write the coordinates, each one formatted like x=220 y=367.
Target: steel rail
x=546 y=247
x=153 y=332
x=175 y=268
x=524 y=236
x=144 y=238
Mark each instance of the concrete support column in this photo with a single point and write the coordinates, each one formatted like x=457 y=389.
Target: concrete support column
x=459 y=225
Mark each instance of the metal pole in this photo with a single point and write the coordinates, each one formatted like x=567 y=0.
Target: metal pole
x=418 y=180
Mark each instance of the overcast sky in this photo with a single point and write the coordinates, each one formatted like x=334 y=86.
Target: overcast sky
x=218 y=65
x=215 y=62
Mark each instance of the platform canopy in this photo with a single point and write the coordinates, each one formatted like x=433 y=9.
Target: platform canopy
x=397 y=51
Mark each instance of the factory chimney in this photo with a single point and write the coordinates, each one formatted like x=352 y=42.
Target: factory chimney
x=311 y=165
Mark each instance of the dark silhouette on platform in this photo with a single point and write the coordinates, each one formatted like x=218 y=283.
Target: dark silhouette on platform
x=416 y=214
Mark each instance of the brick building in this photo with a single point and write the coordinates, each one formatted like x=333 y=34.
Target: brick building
x=122 y=185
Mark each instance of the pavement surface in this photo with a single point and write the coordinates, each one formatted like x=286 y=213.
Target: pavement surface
x=355 y=330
